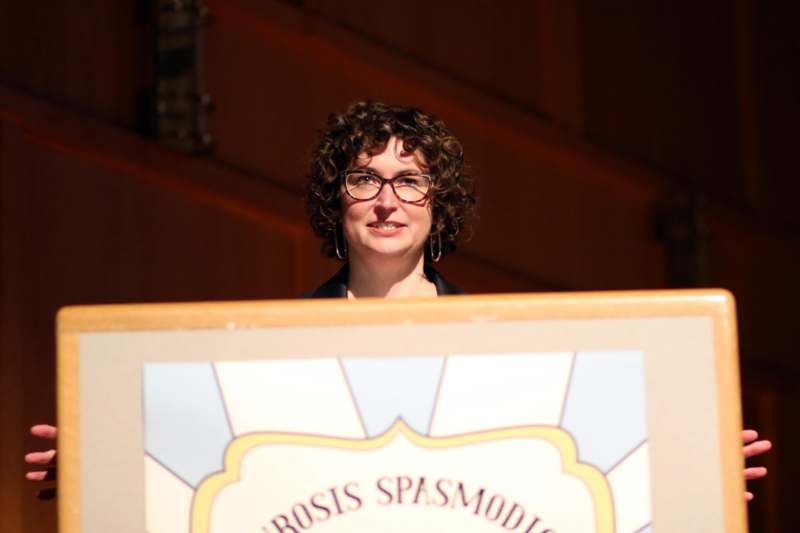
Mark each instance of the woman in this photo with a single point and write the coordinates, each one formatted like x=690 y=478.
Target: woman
x=389 y=196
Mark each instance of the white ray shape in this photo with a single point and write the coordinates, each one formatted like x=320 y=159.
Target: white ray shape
x=300 y=396
x=491 y=391
x=630 y=485
x=168 y=500
x=388 y=388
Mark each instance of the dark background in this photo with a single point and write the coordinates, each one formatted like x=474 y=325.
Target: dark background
x=618 y=145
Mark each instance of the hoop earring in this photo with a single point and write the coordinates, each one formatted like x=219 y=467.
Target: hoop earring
x=438 y=254
x=342 y=255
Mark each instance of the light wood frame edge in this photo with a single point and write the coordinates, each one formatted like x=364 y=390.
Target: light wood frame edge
x=68 y=407
x=730 y=417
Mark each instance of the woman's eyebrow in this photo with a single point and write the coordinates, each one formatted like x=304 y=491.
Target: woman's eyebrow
x=398 y=173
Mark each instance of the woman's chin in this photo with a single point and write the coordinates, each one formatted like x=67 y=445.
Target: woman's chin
x=390 y=251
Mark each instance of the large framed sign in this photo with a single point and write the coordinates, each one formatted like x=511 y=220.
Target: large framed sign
x=594 y=412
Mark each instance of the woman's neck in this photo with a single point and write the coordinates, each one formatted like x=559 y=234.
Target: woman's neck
x=388 y=279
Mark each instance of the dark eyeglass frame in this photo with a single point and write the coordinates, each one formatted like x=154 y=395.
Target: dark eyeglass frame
x=384 y=181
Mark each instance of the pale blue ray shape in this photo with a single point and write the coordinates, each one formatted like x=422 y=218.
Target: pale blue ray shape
x=647 y=529
x=388 y=388
x=186 y=426
x=605 y=406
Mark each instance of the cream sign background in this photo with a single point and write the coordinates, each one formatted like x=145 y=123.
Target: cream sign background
x=296 y=428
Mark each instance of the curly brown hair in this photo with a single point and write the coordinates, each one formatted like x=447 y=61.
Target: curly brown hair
x=366 y=127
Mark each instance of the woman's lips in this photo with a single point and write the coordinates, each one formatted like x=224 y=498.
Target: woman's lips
x=385 y=228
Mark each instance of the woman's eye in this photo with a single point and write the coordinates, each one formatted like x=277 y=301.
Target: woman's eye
x=417 y=182
x=363 y=179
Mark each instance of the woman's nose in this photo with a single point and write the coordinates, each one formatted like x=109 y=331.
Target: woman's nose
x=386 y=197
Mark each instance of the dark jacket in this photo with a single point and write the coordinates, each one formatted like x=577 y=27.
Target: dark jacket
x=336 y=287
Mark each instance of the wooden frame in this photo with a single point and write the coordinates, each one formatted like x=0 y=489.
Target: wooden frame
x=630 y=316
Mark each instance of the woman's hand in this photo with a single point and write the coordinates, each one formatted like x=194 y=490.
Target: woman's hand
x=44 y=459
x=753 y=447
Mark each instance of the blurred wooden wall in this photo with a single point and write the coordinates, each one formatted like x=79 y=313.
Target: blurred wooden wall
x=582 y=120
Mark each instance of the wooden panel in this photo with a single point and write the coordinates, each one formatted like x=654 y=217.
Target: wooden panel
x=489 y=45
x=764 y=393
x=91 y=55
x=26 y=381
x=659 y=85
x=27 y=364
x=761 y=267
x=129 y=233
x=777 y=89
x=547 y=219
x=137 y=242
x=476 y=275
x=522 y=53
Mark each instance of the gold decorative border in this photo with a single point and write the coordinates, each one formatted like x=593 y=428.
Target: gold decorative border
x=595 y=481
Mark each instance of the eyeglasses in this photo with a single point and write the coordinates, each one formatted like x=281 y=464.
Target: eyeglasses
x=410 y=188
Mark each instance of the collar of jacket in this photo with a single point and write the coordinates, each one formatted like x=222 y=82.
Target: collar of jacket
x=336 y=287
